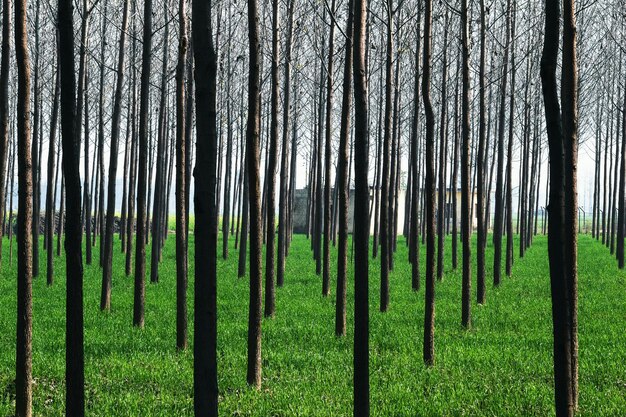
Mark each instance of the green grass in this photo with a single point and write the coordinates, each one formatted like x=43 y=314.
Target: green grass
x=501 y=367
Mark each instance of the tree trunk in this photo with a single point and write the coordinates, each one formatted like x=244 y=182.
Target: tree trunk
x=5 y=65
x=342 y=178
x=284 y=177
x=70 y=129
x=562 y=136
x=480 y=208
x=270 y=176
x=429 y=311
x=140 y=245
x=443 y=133
x=49 y=190
x=252 y=138
x=205 y=298
x=327 y=155
x=24 y=356
x=361 y=225
x=499 y=214
x=105 y=298
x=466 y=219
x=181 y=215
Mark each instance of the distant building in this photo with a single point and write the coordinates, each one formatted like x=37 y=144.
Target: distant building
x=301 y=207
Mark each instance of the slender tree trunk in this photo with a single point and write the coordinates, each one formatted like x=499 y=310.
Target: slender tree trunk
x=361 y=226
x=466 y=219
x=441 y=192
x=36 y=128
x=140 y=251
x=480 y=208
x=181 y=215
x=5 y=65
x=562 y=136
x=414 y=240
x=49 y=189
x=385 y=234
x=429 y=311
x=342 y=178
x=509 y=169
x=74 y=351
x=252 y=138
x=105 y=298
x=205 y=298
x=327 y=155
x=284 y=177
x=498 y=219
x=270 y=176
x=24 y=356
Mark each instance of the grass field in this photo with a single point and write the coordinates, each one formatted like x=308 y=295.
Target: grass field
x=501 y=367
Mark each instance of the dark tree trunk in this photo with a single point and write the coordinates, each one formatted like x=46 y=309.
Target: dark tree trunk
x=562 y=137
x=466 y=219
x=327 y=155
x=61 y=213
x=181 y=179
x=205 y=298
x=361 y=225
x=161 y=169
x=36 y=133
x=270 y=176
x=499 y=214
x=74 y=351
x=414 y=240
x=4 y=111
x=284 y=168
x=140 y=251
x=621 y=204
x=49 y=189
x=24 y=334
x=229 y=147
x=480 y=212
x=429 y=311
x=509 y=167
x=132 y=181
x=252 y=138
x=443 y=139
x=342 y=178
x=105 y=298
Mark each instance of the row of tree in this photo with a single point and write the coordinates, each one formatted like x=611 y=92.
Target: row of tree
x=423 y=142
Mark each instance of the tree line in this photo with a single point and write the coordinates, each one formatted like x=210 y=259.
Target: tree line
x=435 y=98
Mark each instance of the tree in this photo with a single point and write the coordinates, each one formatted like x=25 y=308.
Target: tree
x=23 y=357
x=386 y=186
x=284 y=174
x=429 y=311
x=481 y=236
x=342 y=175
x=74 y=350
x=465 y=175
x=181 y=179
x=361 y=223
x=140 y=251
x=270 y=249
x=253 y=160
x=562 y=128
x=205 y=297
x=105 y=299
x=498 y=220
x=327 y=154
x=414 y=240
x=49 y=221
x=5 y=65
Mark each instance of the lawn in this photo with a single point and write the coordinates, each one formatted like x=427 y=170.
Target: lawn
x=501 y=367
